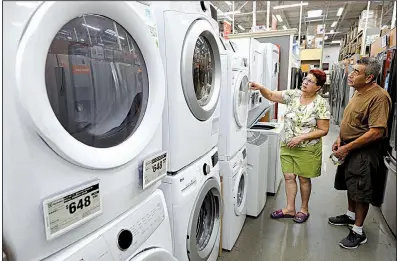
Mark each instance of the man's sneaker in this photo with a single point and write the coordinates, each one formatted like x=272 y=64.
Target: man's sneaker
x=353 y=240
x=342 y=220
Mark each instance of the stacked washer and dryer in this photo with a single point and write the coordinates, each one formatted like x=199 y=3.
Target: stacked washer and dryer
x=84 y=91
x=189 y=46
x=232 y=144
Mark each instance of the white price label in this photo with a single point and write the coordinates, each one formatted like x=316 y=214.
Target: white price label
x=70 y=209
x=154 y=169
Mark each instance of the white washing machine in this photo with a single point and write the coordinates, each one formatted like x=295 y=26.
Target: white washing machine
x=141 y=234
x=234 y=106
x=257 y=168
x=83 y=97
x=235 y=189
x=275 y=132
x=194 y=203
x=189 y=44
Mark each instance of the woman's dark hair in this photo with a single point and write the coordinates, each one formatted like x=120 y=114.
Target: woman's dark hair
x=320 y=76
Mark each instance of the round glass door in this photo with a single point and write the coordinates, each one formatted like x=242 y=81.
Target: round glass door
x=97 y=81
x=200 y=70
x=204 y=226
x=83 y=77
x=240 y=192
x=241 y=97
x=203 y=69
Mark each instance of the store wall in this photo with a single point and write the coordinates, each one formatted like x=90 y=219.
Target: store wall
x=331 y=55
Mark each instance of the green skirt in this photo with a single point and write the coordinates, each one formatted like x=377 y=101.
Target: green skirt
x=302 y=161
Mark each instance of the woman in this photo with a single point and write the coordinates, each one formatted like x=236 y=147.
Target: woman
x=306 y=120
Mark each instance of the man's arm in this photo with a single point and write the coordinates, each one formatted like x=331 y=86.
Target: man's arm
x=370 y=136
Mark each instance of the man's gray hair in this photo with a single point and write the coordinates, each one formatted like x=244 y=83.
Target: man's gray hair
x=372 y=66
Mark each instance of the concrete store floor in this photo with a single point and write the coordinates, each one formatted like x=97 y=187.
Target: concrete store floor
x=264 y=239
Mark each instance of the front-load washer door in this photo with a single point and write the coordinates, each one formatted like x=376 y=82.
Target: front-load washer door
x=201 y=69
x=153 y=254
x=92 y=81
x=240 y=192
x=204 y=223
x=240 y=103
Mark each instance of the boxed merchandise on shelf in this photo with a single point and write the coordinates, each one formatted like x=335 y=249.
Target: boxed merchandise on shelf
x=374 y=19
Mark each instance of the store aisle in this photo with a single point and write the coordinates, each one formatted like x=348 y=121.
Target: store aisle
x=265 y=239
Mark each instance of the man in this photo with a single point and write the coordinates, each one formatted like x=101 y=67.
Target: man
x=359 y=147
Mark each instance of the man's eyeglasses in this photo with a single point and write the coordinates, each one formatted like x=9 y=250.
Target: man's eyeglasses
x=308 y=80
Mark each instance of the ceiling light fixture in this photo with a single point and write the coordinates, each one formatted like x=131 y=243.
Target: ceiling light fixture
x=229 y=13
x=242 y=28
x=340 y=11
x=279 y=18
x=335 y=42
x=91 y=27
x=314 y=13
x=228 y=3
x=334 y=24
x=288 y=6
x=285 y=27
x=326 y=37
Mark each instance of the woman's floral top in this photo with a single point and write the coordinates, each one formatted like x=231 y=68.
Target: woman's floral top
x=301 y=119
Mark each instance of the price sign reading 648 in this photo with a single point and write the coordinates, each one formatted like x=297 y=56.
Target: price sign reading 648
x=158 y=165
x=70 y=209
x=154 y=169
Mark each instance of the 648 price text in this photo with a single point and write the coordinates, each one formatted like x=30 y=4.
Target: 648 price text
x=80 y=204
x=157 y=166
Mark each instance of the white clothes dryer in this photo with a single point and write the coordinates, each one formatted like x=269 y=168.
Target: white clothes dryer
x=141 y=234
x=83 y=94
x=252 y=50
x=234 y=107
x=271 y=65
x=194 y=203
x=271 y=73
x=235 y=190
x=193 y=78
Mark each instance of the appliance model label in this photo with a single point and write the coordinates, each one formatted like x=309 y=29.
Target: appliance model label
x=154 y=169
x=70 y=209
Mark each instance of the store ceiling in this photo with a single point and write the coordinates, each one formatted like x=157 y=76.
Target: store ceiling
x=290 y=16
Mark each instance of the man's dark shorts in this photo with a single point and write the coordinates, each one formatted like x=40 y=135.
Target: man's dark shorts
x=363 y=175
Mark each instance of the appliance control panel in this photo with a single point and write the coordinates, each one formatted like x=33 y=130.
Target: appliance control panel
x=122 y=239
x=130 y=233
